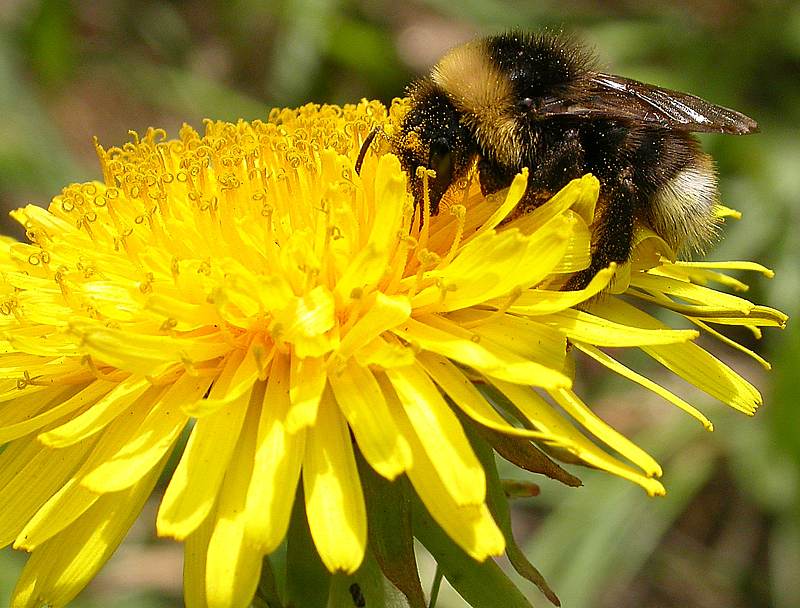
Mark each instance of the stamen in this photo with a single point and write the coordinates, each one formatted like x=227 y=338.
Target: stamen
x=444 y=288
x=460 y=213
x=399 y=263
x=427 y=260
x=89 y=362
x=424 y=229
x=25 y=381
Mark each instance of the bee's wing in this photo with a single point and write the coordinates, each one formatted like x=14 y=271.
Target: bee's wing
x=612 y=96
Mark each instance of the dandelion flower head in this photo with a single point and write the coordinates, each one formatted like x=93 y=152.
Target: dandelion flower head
x=308 y=329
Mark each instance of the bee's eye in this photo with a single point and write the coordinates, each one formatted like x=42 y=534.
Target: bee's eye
x=439 y=148
x=440 y=158
x=441 y=161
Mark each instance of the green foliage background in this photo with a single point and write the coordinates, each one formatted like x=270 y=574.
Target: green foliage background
x=728 y=533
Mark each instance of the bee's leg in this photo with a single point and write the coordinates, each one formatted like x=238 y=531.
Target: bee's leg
x=362 y=153
x=612 y=231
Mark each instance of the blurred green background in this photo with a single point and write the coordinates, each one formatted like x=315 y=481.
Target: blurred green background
x=728 y=533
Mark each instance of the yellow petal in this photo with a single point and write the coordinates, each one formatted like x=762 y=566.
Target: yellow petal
x=512 y=199
x=60 y=511
x=493 y=265
x=722 y=211
x=616 y=366
x=390 y=202
x=38 y=416
x=470 y=525
x=384 y=354
x=732 y=265
x=144 y=354
x=689 y=291
x=464 y=394
x=578 y=252
x=440 y=434
x=759 y=316
x=233 y=565
x=334 y=500
x=383 y=313
x=535 y=302
x=57 y=570
x=241 y=369
x=154 y=437
x=306 y=321
x=688 y=360
x=450 y=340
x=276 y=468
x=576 y=408
x=195 y=553
x=580 y=195
x=188 y=316
x=25 y=489
x=599 y=330
x=48 y=221
x=368 y=266
x=371 y=262
x=41 y=340
x=518 y=335
x=306 y=383
x=193 y=488
x=732 y=343
x=566 y=437
x=99 y=415
x=362 y=402
x=73 y=499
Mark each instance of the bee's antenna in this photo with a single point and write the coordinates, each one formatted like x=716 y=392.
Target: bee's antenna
x=364 y=147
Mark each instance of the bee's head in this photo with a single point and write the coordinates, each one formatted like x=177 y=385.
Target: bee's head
x=482 y=98
x=433 y=137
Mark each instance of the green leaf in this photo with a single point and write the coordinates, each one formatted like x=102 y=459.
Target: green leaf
x=362 y=589
x=481 y=584
x=498 y=505
x=390 y=536
x=267 y=595
x=307 y=579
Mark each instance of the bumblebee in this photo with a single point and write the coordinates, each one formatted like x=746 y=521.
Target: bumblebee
x=524 y=100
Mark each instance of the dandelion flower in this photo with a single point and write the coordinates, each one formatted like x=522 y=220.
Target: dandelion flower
x=325 y=349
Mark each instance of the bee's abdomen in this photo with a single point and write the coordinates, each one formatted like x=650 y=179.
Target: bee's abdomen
x=682 y=209
x=678 y=187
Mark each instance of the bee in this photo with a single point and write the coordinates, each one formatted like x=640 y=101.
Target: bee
x=519 y=100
